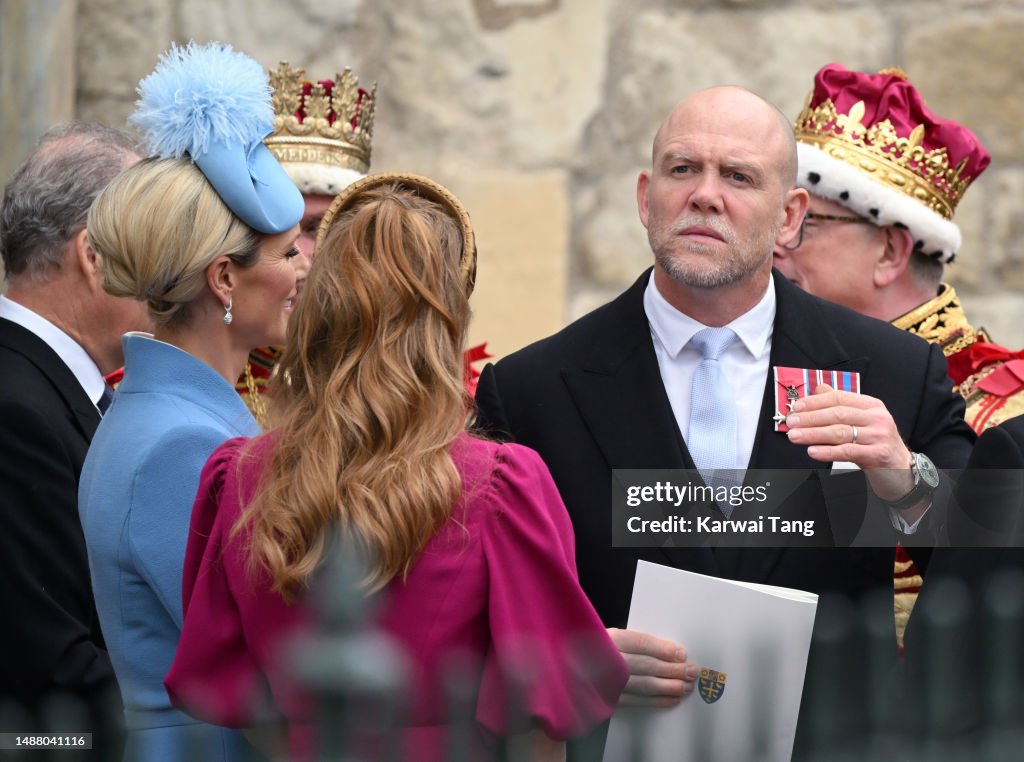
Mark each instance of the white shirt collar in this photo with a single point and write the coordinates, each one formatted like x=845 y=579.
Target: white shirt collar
x=69 y=350
x=674 y=329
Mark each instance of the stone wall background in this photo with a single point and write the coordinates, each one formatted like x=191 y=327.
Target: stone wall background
x=539 y=113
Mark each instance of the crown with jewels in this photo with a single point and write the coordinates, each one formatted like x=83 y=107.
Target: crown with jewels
x=323 y=131
x=868 y=141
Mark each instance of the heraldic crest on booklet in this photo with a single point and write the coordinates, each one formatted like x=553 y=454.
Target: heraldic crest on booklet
x=751 y=642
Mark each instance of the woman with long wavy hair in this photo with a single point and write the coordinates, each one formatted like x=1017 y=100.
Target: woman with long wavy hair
x=470 y=547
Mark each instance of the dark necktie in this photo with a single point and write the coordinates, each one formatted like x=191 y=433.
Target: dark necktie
x=105 y=398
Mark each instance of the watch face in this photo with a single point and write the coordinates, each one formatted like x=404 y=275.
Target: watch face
x=926 y=470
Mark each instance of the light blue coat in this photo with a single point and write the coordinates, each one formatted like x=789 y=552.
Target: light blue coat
x=135 y=500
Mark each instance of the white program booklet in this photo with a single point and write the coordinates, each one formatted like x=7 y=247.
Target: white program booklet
x=751 y=642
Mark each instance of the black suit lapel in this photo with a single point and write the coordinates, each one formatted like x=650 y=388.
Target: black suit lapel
x=82 y=412
x=620 y=396
x=801 y=338
x=628 y=413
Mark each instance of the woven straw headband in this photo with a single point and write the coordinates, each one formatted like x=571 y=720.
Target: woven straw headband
x=424 y=187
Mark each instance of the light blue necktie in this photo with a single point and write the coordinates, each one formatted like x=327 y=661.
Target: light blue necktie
x=712 y=436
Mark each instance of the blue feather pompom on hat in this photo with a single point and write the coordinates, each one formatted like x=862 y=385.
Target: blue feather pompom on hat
x=201 y=94
x=213 y=103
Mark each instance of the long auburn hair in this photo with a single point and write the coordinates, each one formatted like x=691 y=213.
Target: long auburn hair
x=369 y=395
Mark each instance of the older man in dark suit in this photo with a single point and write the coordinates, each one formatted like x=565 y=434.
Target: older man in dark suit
x=59 y=334
x=622 y=386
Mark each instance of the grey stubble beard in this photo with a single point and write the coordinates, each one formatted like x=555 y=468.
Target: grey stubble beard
x=727 y=271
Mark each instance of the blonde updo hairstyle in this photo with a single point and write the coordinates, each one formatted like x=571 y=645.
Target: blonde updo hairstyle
x=158 y=226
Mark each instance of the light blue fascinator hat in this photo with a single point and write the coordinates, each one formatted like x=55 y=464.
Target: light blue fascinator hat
x=213 y=103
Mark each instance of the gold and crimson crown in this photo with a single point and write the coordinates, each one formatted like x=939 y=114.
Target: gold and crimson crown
x=870 y=143
x=902 y=164
x=323 y=131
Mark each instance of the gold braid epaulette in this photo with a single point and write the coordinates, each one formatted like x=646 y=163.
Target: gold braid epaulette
x=253 y=383
x=985 y=410
x=942 y=321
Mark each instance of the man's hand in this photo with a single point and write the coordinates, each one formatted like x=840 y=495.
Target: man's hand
x=842 y=426
x=660 y=674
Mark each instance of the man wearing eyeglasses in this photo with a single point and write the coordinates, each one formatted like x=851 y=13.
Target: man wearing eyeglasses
x=885 y=175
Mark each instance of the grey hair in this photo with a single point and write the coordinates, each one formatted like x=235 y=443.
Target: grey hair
x=48 y=197
x=926 y=270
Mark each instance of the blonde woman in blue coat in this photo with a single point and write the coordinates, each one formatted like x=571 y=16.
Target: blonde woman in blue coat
x=205 y=234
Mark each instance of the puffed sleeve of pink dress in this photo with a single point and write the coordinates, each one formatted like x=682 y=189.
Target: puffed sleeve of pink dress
x=543 y=630
x=226 y=668
x=496 y=581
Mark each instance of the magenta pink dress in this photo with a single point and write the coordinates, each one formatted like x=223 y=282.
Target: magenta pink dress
x=498 y=581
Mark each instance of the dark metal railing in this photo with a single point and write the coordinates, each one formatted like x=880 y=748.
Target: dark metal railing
x=958 y=697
